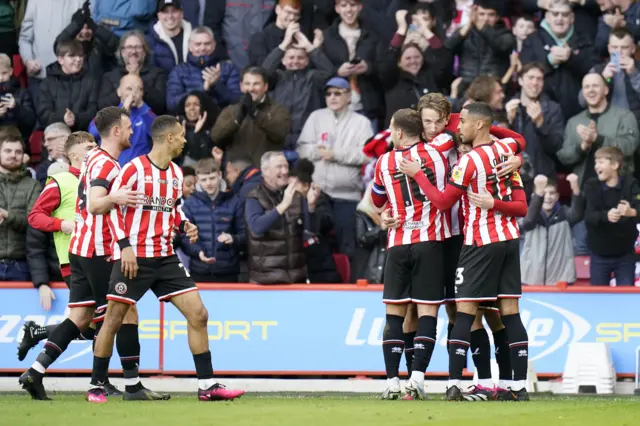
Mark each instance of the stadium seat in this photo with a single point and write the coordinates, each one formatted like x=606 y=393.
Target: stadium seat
x=582 y=267
x=343 y=266
x=35 y=145
x=19 y=70
x=564 y=189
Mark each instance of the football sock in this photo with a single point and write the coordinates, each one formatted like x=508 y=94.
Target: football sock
x=58 y=341
x=423 y=345
x=449 y=328
x=458 y=345
x=204 y=370
x=518 y=349
x=392 y=345
x=481 y=353
x=128 y=346
x=408 y=349
x=503 y=358
x=100 y=371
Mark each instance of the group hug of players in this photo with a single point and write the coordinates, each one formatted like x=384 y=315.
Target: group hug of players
x=123 y=222
x=452 y=192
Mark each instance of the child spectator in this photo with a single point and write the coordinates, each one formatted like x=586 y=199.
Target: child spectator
x=547 y=255
x=523 y=27
x=130 y=93
x=218 y=215
x=612 y=203
x=16 y=106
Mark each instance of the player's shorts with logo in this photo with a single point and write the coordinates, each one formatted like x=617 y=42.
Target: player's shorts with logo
x=89 y=283
x=489 y=272
x=452 y=247
x=414 y=273
x=165 y=276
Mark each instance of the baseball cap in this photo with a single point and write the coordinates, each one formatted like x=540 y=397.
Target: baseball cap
x=164 y=3
x=337 y=82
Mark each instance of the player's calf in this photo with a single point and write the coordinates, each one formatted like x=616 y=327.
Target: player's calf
x=409 y=329
x=518 y=342
x=460 y=342
x=423 y=345
x=392 y=349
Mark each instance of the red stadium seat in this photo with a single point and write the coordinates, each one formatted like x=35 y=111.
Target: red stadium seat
x=564 y=189
x=343 y=266
x=35 y=144
x=582 y=267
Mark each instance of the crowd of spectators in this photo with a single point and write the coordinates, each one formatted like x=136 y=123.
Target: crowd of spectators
x=279 y=98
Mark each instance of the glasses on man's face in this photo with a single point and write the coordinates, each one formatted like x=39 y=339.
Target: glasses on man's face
x=555 y=14
x=336 y=93
x=132 y=48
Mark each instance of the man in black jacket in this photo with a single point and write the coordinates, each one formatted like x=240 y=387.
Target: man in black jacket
x=539 y=119
x=566 y=54
x=68 y=93
x=612 y=206
x=352 y=49
x=263 y=42
x=43 y=264
x=484 y=44
x=98 y=42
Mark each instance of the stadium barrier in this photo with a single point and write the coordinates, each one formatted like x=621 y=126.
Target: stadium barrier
x=323 y=329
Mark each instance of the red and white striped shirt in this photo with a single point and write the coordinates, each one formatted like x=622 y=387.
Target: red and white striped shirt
x=475 y=172
x=91 y=234
x=420 y=220
x=148 y=228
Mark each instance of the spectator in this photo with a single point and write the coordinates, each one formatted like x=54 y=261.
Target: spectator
x=235 y=23
x=55 y=136
x=16 y=106
x=54 y=212
x=169 y=37
x=321 y=268
x=18 y=193
x=134 y=57
x=199 y=113
x=333 y=139
x=264 y=42
x=621 y=74
x=242 y=175
x=189 y=181
x=547 y=253
x=599 y=125
x=523 y=27
x=586 y=14
x=98 y=43
x=483 y=44
x=298 y=87
x=371 y=234
x=69 y=93
x=254 y=125
x=203 y=71
x=43 y=19
x=404 y=72
x=122 y=16
x=276 y=215
x=485 y=88
x=539 y=119
x=130 y=93
x=613 y=201
x=221 y=229
x=566 y=53
x=623 y=14
x=352 y=51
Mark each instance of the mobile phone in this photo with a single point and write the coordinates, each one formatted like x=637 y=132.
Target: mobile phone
x=355 y=61
x=615 y=59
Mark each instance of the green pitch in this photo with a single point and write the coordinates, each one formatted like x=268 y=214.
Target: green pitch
x=71 y=410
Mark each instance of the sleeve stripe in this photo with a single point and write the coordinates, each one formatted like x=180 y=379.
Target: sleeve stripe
x=378 y=189
x=464 y=188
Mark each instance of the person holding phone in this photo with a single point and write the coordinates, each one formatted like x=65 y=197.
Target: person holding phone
x=16 y=106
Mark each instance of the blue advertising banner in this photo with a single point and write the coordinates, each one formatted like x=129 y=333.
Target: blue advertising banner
x=328 y=331
x=20 y=305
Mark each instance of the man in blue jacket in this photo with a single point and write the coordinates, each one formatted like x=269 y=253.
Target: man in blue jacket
x=203 y=71
x=131 y=93
x=169 y=36
x=221 y=229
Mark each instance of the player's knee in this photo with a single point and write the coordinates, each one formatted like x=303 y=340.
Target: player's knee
x=81 y=317
x=410 y=319
x=493 y=319
x=508 y=306
x=427 y=310
x=199 y=318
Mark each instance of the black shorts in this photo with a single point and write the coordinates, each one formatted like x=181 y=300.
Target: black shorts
x=452 y=247
x=165 y=276
x=489 y=272
x=414 y=273
x=89 y=283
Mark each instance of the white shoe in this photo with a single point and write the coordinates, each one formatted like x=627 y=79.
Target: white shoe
x=391 y=393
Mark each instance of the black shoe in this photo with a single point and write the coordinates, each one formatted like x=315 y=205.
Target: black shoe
x=34 y=386
x=454 y=394
x=145 y=394
x=28 y=340
x=511 y=395
x=111 y=390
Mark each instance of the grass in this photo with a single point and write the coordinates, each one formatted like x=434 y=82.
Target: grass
x=308 y=410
